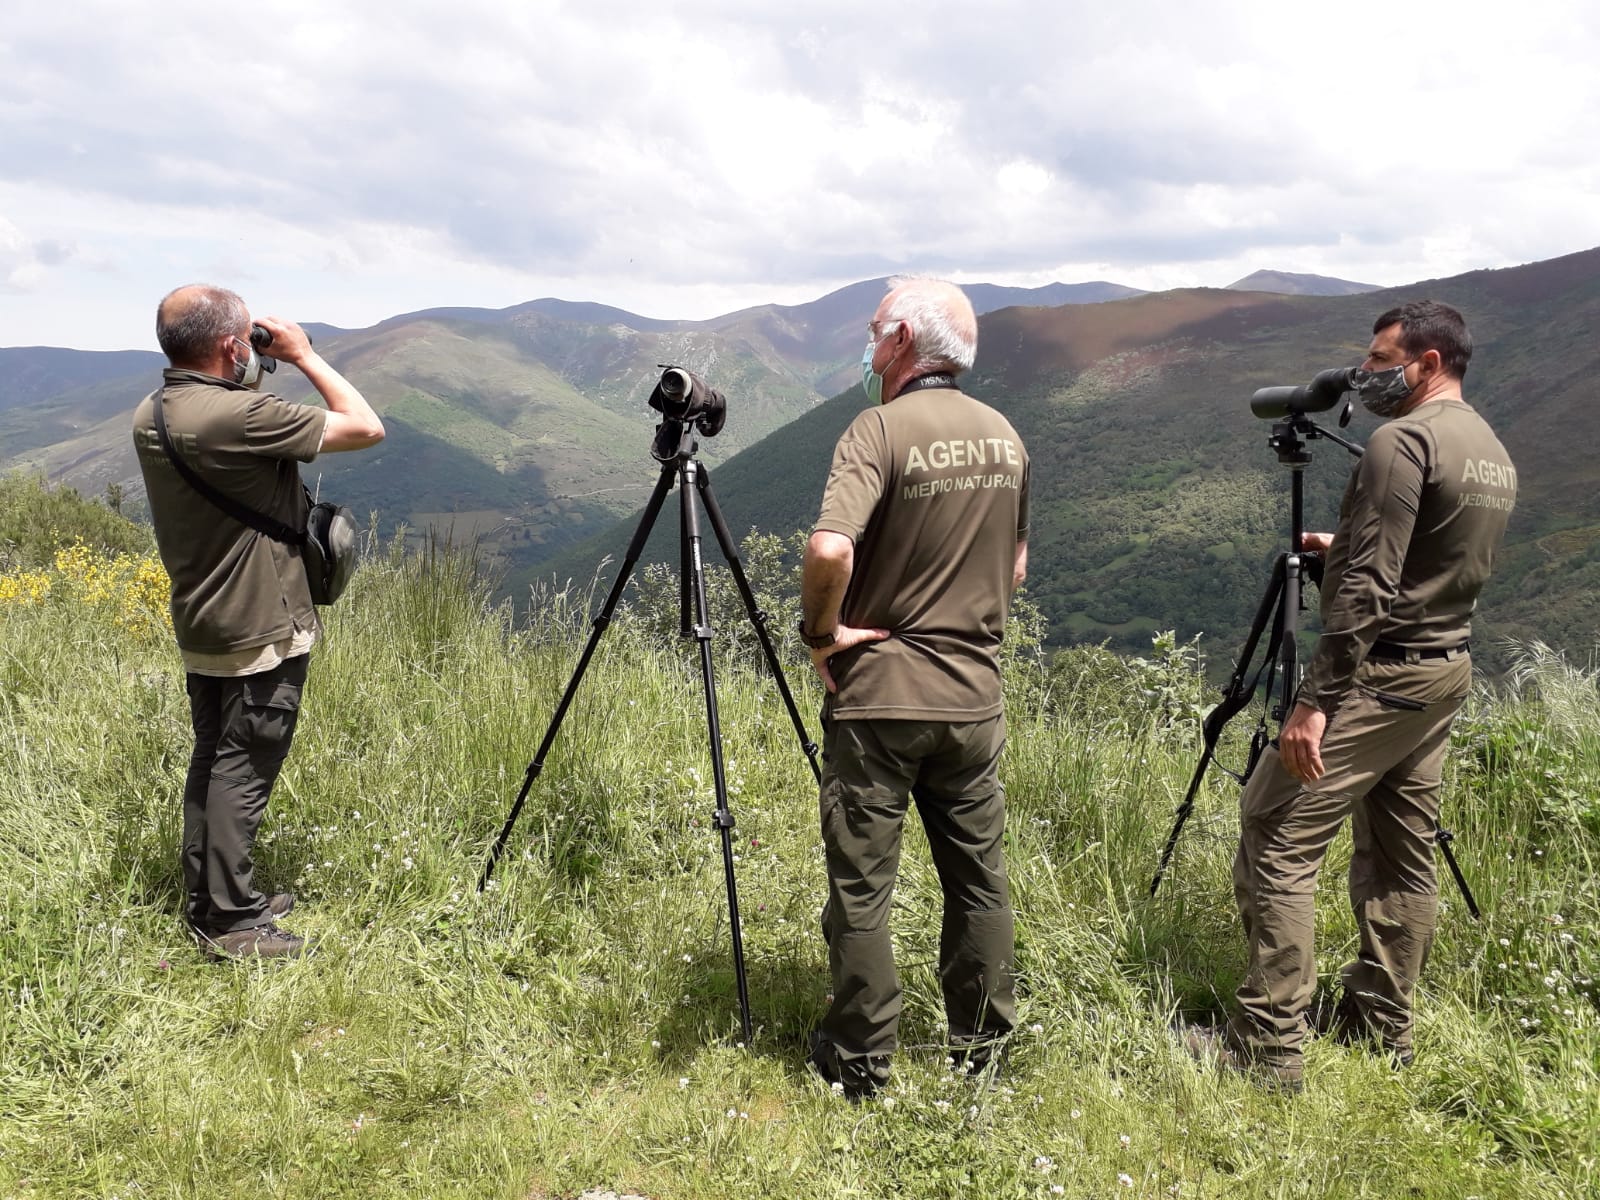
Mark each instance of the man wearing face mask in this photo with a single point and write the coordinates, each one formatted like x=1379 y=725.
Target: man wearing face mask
x=906 y=588
x=241 y=604
x=1419 y=525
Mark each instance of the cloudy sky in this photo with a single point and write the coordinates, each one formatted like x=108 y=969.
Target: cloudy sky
x=347 y=160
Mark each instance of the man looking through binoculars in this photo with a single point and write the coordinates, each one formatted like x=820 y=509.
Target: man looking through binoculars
x=241 y=601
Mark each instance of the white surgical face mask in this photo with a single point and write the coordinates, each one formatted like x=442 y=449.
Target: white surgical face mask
x=870 y=379
x=247 y=372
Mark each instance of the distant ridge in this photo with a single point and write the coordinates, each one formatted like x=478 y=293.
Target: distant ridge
x=1287 y=283
x=587 y=312
x=844 y=304
x=29 y=374
x=987 y=297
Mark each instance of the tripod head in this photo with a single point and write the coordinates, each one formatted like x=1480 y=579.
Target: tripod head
x=1290 y=435
x=674 y=440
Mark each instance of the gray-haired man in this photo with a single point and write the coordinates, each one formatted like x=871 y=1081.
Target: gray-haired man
x=906 y=588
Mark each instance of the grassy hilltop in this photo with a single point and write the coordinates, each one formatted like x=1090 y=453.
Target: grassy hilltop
x=576 y=1027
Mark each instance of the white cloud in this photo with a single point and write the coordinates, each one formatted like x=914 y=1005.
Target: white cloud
x=359 y=159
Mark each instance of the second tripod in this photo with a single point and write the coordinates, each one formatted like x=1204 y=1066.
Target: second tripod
x=1280 y=605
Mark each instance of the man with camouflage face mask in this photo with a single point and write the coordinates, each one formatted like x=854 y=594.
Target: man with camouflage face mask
x=1421 y=519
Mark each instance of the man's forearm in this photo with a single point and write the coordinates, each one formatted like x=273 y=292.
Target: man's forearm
x=338 y=392
x=830 y=559
x=352 y=423
x=821 y=595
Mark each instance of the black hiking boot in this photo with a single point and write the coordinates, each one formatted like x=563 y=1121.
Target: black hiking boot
x=856 y=1078
x=1344 y=1021
x=971 y=1057
x=279 y=904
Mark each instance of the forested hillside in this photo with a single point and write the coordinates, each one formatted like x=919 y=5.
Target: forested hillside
x=1157 y=502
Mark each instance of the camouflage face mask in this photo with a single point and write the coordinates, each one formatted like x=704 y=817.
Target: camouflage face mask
x=1383 y=393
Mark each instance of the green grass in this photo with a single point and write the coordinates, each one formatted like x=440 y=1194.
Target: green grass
x=576 y=1026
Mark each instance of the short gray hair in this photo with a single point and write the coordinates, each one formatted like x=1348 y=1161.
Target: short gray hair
x=944 y=327
x=191 y=319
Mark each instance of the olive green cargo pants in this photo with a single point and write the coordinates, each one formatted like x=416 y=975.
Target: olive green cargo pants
x=951 y=771
x=1383 y=752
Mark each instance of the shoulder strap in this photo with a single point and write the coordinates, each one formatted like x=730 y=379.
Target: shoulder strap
x=260 y=522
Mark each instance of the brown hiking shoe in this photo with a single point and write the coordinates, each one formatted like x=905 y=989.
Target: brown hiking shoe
x=279 y=904
x=1212 y=1044
x=262 y=941
x=1344 y=1021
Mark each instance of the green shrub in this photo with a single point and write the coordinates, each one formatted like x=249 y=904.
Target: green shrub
x=36 y=520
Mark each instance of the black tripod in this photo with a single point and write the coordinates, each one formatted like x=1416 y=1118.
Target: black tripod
x=675 y=448
x=1281 y=604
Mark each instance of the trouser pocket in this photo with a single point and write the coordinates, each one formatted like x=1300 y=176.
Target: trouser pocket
x=1390 y=700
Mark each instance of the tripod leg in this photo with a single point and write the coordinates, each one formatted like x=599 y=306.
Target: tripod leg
x=758 y=619
x=695 y=582
x=1443 y=838
x=624 y=572
x=1293 y=577
x=1241 y=686
x=1287 y=626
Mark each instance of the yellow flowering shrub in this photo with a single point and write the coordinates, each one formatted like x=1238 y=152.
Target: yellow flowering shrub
x=24 y=587
x=132 y=589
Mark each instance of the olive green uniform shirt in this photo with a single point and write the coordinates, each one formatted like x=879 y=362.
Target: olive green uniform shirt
x=933 y=489
x=1419 y=525
x=233 y=588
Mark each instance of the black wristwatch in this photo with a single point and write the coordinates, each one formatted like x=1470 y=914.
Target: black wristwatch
x=817 y=641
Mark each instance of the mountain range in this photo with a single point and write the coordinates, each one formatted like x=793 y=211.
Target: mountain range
x=526 y=426
x=1156 y=500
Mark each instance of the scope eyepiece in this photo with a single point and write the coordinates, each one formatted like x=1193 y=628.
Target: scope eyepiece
x=1321 y=394
x=683 y=396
